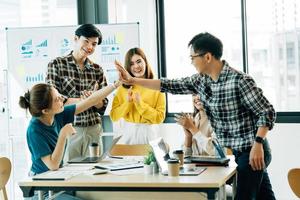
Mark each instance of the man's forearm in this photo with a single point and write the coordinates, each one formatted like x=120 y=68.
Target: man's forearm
x=262 y=131
x=153 y=84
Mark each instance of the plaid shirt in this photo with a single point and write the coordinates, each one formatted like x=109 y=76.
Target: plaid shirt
x=66 y=76
x=235 y=106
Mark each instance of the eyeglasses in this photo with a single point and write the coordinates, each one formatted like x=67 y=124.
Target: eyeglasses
x=197 y=55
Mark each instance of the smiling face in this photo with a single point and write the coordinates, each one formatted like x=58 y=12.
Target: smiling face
x=85 y=46
x=137 y=66
x=199 y=61
x=57 y=105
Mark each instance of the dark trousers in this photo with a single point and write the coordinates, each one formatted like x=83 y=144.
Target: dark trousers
x=253 y=184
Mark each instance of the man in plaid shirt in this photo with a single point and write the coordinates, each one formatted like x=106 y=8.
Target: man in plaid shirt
x=238 y=111
x=76 y=77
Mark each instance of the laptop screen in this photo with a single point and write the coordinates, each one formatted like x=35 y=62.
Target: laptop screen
x=161 y=153
x=96 y=159
x=218 y=148
x=113 y=143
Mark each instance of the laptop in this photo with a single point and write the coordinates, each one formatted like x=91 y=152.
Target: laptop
x=161 y=155
x=221 y=160
x=95 y=159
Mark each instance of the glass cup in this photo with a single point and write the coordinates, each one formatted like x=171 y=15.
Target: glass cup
x=94 y=149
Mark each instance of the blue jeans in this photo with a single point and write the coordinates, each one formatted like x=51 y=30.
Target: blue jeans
x=253 y=184
x=64 y=196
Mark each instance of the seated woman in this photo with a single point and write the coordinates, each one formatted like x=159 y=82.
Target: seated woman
x=140 y=109
x=197 y=130
x=51 y=123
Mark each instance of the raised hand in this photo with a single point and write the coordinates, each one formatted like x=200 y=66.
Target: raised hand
x=187 y=122
x=86 y=93
x=124 y=76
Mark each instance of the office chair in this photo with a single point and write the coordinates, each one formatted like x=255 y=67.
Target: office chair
x=130 y=150
x=294 y=180
x=5 y=169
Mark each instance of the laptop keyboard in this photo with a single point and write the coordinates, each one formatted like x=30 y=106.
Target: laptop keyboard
x=212 y=160
x=205 y=158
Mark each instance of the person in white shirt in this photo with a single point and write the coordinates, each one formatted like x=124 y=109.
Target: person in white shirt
x=198 y=131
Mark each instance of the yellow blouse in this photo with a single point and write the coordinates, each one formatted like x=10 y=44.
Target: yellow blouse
x=150 y=110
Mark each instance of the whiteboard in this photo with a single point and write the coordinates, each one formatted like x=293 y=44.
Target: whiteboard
x=29 y=50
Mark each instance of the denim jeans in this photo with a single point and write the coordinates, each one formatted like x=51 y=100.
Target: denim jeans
x=63 y=196
x=253 y=184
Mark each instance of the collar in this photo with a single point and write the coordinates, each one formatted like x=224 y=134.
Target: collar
x=88 y=64
x=223 y=73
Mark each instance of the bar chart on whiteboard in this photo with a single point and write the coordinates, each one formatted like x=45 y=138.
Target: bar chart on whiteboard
x=31 y=49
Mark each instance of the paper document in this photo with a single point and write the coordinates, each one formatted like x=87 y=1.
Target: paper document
x=58 y=175
x=77 y=167
x=119 y=165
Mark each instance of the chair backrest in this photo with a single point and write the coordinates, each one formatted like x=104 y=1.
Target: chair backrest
x=130 y=150
x=5 y=169
x=294 y=180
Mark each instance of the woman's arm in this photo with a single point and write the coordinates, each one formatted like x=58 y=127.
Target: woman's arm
x=53 y=160
x=188 y=138
x=204 y=143
x=95 y=98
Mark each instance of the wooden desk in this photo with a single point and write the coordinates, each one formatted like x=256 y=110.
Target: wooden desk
x=212 y=180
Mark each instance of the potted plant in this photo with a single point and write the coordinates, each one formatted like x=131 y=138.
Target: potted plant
x=150 y=165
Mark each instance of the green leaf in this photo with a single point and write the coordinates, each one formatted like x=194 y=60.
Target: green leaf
x=150 y=158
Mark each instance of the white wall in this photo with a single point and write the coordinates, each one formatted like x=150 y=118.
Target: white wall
x=142 y=11
x=285 y=144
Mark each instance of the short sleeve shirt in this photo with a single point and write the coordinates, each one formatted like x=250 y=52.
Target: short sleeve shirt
x=42 y=139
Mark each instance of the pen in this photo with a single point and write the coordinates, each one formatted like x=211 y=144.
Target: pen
x=116 y=157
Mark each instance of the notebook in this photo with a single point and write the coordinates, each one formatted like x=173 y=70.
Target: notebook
x=55 y=175
x=221 y=160
x=96 y=159
x=120 y=165
x=161 y=156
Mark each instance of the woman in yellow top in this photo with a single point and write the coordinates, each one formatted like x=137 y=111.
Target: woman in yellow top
x=138 y=110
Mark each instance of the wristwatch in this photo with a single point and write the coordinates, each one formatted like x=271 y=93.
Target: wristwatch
x=259 y=139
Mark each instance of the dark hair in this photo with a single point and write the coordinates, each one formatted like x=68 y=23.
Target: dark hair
x=137 y=51
x=37 y=99
x=88 y=31
x=206 y=42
